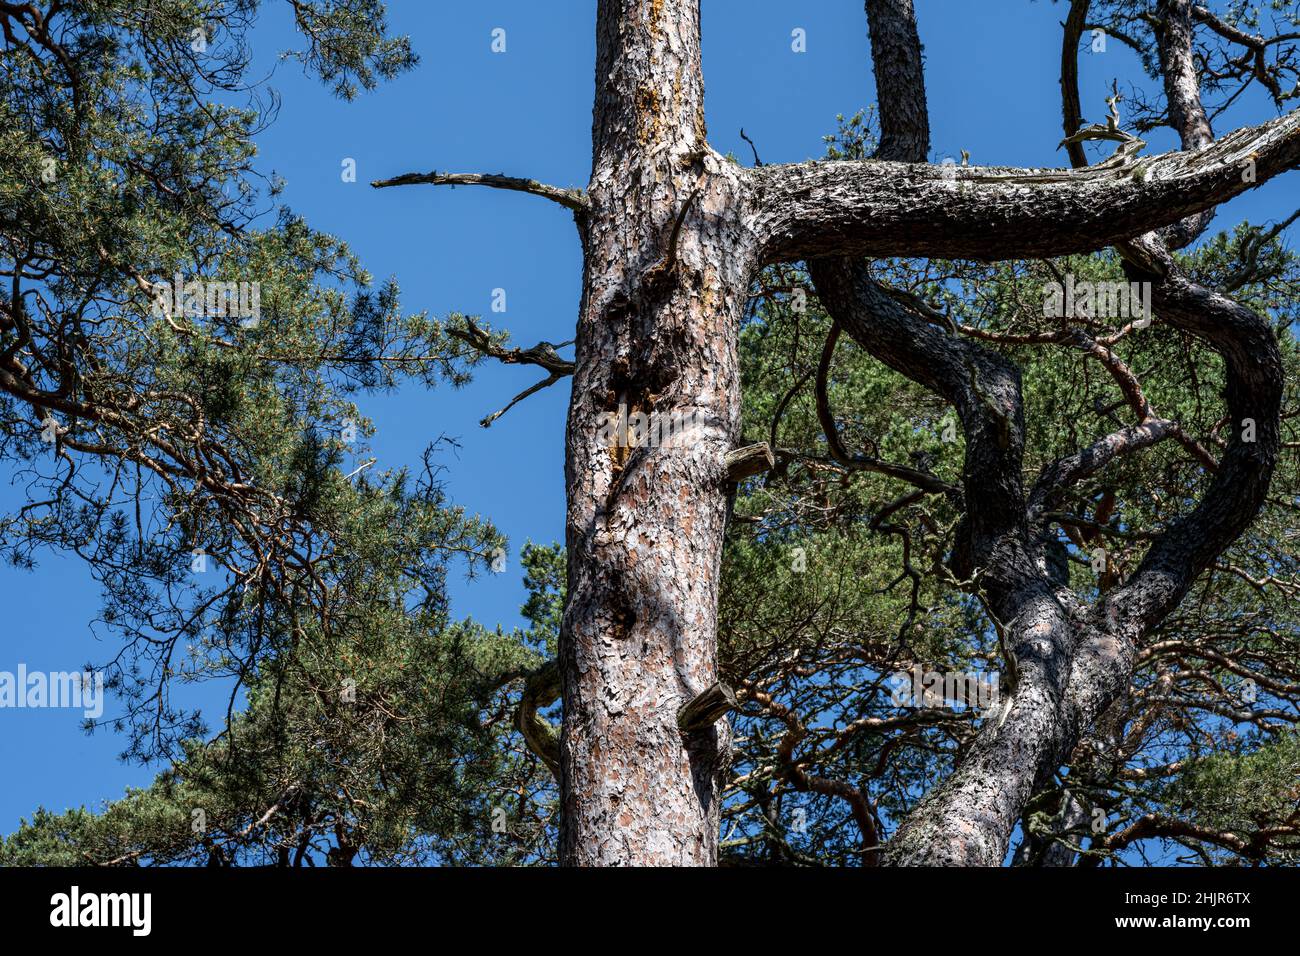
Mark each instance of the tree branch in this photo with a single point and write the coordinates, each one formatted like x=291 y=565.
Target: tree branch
x=900 y=81
x=1058 y=475
x=921 y=479
x=1174 y=41
x=574 y=199
x=542 y=354
x=1072 y=111
x=1103 y=662
x=486 y=421
x=877 y=208
x=541 y=689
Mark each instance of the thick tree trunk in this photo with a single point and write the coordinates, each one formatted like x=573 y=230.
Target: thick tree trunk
x=667 y=270
x=672 y=236
x=1070 y=661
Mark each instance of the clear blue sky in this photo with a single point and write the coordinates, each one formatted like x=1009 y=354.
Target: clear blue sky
x=991 y=69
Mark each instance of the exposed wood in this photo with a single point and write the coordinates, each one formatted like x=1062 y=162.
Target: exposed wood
x=706 y=709
x=742 y=463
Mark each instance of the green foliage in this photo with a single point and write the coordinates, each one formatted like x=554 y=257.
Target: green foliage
x=208 y=463
x=158 y=435
x=835 y=583
x=1250 y=785
x=381 y=741
x=369 y=726
x=349 y=45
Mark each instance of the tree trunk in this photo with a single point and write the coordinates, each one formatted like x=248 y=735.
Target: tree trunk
x=672 y=236
x=666 y=272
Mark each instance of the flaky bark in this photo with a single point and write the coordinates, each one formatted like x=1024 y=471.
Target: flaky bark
x=900 y=81
x=645 y=532
x=672 y=236
x=667 y=270
x=986 y=213
x=1074 y=661
x=971 y=817
x=1183 y=93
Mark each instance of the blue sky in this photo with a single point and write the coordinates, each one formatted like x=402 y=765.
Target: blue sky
x=991 y=70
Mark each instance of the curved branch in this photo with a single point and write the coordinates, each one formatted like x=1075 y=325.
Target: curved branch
x=486 y=421
x=921 y=479
x=1103 y=663
x=900 y=81
x=1149 y=429
x=1151 y=825
x=1255 y=378
x=574 y=199
x=877 y=208
x=540 y=691
x=542 y=354
x=1058 y=475
x=1072 y=112
x=994 y=554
